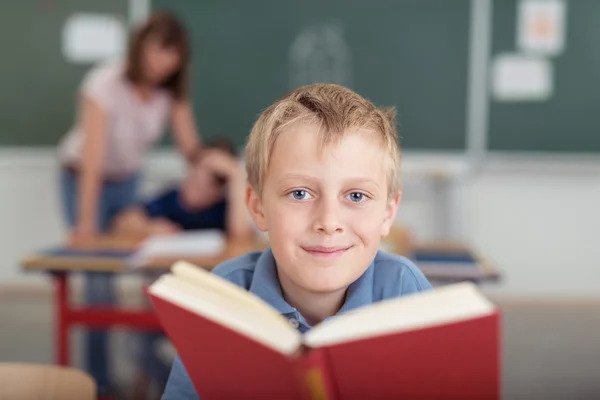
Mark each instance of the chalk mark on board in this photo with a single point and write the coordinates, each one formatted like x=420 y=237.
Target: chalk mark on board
x=320 y=54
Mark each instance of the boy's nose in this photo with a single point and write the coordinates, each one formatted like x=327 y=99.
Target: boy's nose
x=327 y=218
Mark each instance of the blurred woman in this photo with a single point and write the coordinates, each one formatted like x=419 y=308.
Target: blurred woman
x=123 y=110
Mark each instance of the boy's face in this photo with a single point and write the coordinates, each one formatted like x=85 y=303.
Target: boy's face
x=325 y=212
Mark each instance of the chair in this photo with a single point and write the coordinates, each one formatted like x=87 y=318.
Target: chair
x=44 y=382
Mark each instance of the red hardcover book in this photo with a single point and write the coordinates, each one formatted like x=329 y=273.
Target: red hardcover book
x=438 y=344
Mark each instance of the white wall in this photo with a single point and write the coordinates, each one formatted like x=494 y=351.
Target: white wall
x=539 y=225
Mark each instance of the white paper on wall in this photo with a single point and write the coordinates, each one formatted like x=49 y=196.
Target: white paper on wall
x=518 y=77
x=90 y=38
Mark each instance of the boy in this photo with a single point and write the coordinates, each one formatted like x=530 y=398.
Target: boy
x=323 y=169
x=210 y=197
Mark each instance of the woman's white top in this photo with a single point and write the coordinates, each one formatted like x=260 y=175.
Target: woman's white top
x=133 y=125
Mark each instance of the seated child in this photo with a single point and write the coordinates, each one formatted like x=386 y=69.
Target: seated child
x=323 y=168
x=210 y=197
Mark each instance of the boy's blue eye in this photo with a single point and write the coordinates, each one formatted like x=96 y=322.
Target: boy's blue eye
x=357 y=197
x=300 y=195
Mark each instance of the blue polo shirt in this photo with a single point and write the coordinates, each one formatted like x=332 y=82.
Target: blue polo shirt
x=387 y=277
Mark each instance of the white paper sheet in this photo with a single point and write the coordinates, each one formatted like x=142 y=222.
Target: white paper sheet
x=521 y=78
x=91 y=38
x=541 y=26
x=185 y=244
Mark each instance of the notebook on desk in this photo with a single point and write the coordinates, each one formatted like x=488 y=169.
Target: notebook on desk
x=449 y=263
x=72 y=252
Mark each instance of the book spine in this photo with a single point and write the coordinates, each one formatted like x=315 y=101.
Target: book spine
x=315 y=376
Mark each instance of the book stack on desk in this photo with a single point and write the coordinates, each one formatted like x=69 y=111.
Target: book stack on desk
x=451 y=262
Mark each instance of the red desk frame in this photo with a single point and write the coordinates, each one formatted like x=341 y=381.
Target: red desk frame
x=68 y=316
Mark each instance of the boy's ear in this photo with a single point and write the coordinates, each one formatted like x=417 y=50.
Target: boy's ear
x=390 y=213
x=255 y=208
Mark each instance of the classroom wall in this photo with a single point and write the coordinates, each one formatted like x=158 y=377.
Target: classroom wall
x=535 y=221
x=539 y=224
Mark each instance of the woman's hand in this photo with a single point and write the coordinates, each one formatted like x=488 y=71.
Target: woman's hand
x=82 y=235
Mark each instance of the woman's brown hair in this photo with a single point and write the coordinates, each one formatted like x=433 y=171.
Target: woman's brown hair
x=169 y=32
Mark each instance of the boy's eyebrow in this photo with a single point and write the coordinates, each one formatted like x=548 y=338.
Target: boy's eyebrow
x=364 y=180
x=298 y=176
x=316 y=179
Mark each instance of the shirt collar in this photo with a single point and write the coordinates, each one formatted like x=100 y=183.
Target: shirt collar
x=360 y=292
x=265 y=284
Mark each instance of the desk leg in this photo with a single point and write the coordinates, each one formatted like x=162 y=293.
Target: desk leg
x=61 y=303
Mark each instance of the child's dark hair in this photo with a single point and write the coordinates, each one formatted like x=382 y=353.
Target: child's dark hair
x=221 y=144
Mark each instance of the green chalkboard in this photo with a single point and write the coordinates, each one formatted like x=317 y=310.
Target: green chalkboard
x=38 y=85
x=569 y=121
x=412 y=54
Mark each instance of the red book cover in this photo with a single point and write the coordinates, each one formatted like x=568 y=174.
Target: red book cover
x=224 y=364
x=459 y=360
x=442 y=344
x=314 y=375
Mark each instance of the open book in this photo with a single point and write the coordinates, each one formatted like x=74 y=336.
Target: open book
x=234 y=345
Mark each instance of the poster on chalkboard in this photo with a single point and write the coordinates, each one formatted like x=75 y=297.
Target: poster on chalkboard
x=541 y=27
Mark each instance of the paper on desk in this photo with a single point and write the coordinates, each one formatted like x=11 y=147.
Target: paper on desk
x=186 y=244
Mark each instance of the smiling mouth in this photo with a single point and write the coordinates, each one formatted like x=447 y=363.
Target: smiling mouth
x=326 y=252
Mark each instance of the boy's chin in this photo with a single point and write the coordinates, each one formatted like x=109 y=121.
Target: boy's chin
x=324 y=284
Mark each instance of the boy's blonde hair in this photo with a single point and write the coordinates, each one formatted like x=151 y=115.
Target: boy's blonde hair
x=337 y=110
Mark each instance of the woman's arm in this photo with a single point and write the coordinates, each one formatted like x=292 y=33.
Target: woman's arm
x=184 y=130
x=94 y=124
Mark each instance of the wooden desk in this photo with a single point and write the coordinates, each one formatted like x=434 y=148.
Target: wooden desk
x=110 y=254
x=106 y=255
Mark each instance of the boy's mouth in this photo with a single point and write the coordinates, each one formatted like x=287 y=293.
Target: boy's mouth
x=325 y=251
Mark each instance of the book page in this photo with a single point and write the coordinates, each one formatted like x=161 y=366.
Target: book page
x=441 y=306
x=230 y=306
x=209 y=281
